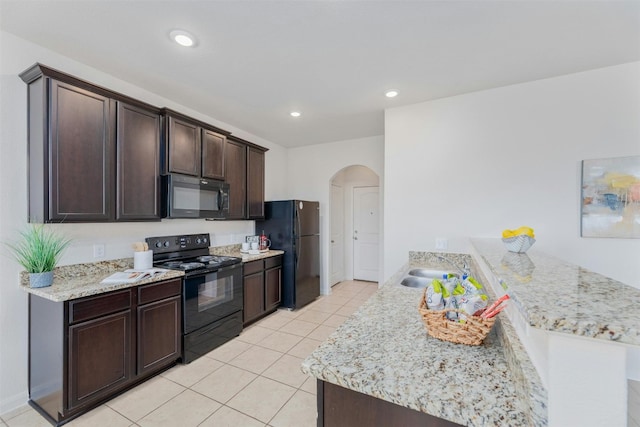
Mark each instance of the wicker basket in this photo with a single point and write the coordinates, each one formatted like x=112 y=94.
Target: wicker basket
x=472 y=332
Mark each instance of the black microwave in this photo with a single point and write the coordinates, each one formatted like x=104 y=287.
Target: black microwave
x=190 y=197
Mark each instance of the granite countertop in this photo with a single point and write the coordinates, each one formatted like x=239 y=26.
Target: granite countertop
x=383 y=351
x=83 y=280
x=557 y=296
x=234 y=250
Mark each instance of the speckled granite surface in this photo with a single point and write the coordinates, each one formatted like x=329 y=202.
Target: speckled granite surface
x=234 y=250
x=384 y=351
x=69 y=282
x=557 y=296
x=82 y=280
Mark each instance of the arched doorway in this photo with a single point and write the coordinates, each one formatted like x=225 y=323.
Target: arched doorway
x=354 y=223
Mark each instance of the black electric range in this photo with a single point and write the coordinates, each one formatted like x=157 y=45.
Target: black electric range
x=212 y=299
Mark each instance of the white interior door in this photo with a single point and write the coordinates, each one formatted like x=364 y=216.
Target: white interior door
x=337 y=234
x=365 y=233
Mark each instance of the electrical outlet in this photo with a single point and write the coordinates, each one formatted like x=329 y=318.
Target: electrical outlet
x=441 y=243
x=98 y=250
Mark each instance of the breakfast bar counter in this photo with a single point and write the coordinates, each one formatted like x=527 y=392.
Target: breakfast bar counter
x=554 y=295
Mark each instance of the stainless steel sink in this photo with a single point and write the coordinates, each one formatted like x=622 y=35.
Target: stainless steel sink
x=416 y=282
x=429 y=273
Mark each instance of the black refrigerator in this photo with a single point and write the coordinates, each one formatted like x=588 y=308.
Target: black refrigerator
x=294 y=227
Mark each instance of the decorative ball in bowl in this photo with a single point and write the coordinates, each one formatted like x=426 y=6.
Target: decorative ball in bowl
x=519 y=244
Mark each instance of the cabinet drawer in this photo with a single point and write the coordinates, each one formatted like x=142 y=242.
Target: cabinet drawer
x=253 y=267
x=92 y=307
x=275 y=261
x=158 y=291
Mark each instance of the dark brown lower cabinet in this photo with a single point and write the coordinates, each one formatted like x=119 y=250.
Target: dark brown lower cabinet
x=272 y=283
x=99 y=357
x=262 y=285
x=253 y=296
x=82 y=352
x=341 y=407
x=158 y=333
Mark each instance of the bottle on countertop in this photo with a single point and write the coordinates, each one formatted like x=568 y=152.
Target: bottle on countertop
x=263 y=241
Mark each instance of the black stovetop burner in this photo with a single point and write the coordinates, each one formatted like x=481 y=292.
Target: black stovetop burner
x=189 y=253
x=204 y=261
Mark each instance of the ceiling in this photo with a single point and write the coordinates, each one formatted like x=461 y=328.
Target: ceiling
x=256 y=61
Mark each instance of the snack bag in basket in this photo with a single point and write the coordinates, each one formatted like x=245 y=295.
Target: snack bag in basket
x=435 y=300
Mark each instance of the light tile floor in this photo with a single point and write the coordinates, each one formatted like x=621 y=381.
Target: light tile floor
x=253 y=380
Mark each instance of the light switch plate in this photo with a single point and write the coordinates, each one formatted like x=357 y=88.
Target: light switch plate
x=441 y=243
x=98 y=250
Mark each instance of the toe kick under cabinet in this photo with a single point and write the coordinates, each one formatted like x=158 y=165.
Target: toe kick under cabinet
x=84 y=351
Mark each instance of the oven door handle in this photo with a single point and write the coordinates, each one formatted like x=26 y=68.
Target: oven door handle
x=229 y=267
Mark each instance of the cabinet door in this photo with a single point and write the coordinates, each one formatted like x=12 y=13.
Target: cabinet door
x=272 y=288
x=82 y=155
x=184 y=147
x=213 y=147
x=99 y=357
x=159 y=334
x=255 y=183
x=236 y=177
x=138 y=149
x=253 y=296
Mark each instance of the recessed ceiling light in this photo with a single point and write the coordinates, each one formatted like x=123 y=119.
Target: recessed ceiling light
x=294 y=114
x=391 y=94
x=183 y=38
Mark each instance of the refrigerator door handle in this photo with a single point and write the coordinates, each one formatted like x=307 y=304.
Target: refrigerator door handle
x=296 y=257
x=297 y=230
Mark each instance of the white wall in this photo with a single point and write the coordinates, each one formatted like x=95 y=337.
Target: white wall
x=310 y=170
x=15 y=56
x=475 y=164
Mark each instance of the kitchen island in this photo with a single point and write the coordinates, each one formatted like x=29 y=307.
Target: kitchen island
x=559 y=355
x=383 y=351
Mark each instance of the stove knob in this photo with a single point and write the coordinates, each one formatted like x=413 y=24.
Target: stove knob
x=204 y=240
x=158 y=244
x=198 y=241
x=166 y=244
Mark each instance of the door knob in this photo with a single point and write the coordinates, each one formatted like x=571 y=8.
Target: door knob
x=355 y=237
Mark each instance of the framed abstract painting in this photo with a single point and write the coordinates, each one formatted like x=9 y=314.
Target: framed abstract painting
x=611 y=197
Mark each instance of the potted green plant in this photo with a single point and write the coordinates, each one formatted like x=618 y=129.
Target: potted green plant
x=38 y=252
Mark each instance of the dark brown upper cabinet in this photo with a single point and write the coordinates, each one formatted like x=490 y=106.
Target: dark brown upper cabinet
x=96 y=155
x=236 y=177
x=138 y=165
x=93 y=153
x=255 y=183
x=213 y=148
x=245 y=165
x=193 y=148
x=184 y=147
x=80 y=160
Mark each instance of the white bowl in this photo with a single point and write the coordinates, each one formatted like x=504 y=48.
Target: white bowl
x=519 y=244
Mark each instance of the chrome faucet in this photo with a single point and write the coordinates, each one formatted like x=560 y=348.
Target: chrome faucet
x=464 y=270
